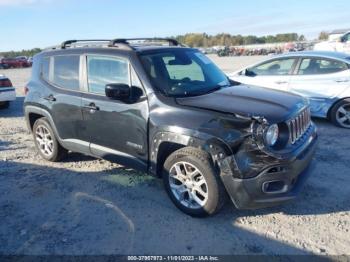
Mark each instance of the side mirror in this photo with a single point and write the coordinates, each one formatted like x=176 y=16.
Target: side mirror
x=118 y=91
x=233 y=82
x=247 y=72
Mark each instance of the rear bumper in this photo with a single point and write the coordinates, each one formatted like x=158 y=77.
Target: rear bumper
x=7 y=94
x=274 y=185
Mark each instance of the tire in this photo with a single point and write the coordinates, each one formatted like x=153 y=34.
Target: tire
x=340 y=113
x=188 y=159
x=46 y=142
x=4 y=105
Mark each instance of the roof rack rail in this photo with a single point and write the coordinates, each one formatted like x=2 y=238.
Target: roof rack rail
x=69 y=42
x=121 y=42
x=172 y=42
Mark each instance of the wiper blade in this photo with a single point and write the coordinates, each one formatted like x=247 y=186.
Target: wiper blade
x=216 y=88
x=226 y=85
x=211 y=90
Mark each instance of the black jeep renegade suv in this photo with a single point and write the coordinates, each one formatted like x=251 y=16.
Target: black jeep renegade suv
x=160 y=107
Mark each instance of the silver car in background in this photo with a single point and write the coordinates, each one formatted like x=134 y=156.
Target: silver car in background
x=322 y=77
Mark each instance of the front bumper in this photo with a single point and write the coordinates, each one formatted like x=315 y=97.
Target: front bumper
x=275 y=184
x=7 y=94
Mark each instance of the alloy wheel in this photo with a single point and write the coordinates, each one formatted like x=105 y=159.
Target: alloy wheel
x=343 y=115
x=44 y=140
x=188 y=185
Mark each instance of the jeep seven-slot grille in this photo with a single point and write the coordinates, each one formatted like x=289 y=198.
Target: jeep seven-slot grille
x=298 y=125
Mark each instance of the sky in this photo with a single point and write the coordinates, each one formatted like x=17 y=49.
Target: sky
x=25 y=24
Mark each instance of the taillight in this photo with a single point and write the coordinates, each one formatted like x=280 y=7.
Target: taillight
x=5 y=83
x=26 y=90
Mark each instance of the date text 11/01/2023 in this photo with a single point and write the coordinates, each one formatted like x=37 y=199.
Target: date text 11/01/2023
x=173 y=258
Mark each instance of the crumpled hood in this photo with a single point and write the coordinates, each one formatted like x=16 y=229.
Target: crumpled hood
x=276 y=106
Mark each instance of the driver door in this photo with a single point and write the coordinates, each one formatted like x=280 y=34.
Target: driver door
x=273 y=74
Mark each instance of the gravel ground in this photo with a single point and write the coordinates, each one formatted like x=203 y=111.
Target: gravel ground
x=89 y=206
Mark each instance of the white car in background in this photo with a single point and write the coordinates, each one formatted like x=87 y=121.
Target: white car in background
x=7 y=92
x=322 y=77
x=341 y=43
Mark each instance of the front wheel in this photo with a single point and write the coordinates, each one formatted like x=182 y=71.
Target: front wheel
x=193 y=183
x=340 y=113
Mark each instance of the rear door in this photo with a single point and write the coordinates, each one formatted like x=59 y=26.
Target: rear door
x=117 y=130
x=320 y=77
x=62 y=95
x=271 y=74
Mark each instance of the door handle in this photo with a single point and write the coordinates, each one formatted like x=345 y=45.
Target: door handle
x=92 y=107
x=281 y=82
x=341 y=80
x=50 y=98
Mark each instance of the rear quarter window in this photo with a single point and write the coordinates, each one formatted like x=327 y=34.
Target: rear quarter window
x=45 y=68
x=66 y=71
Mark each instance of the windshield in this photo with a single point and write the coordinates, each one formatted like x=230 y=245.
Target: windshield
x=183 y=72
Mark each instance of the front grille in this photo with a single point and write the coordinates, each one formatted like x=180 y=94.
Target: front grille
x=298 y=125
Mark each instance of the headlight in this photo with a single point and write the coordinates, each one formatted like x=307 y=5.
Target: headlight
x=271 y=135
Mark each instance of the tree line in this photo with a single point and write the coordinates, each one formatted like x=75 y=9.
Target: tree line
x=205 y=40
x=28 y=53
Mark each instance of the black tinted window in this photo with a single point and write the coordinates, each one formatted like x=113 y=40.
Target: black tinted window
x=314 y=66
x=66 y=72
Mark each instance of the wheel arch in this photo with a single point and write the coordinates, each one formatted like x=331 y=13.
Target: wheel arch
x=165 y=143
x=334 y=104
x=32 y=117
x=33 y=113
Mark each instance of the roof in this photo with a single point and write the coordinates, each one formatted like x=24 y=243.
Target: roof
x=111 y=50
x=325 y=54
x=131 y=44
x=340 y=31
x=142 y=48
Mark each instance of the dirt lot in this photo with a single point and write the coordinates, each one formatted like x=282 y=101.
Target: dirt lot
x=90 y=206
